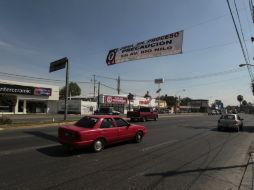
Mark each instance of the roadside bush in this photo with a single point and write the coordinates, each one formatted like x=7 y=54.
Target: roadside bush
x=5 y=120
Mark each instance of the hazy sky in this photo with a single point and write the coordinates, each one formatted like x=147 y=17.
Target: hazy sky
x=34 y=33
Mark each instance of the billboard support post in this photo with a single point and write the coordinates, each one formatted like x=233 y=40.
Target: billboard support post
x=66 y=91
x=58 y=65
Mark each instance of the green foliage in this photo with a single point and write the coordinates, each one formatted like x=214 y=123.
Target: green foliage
x=74 y=90
x=171 y=100
x=240 y=98
x=5 y=120
x=244 y=103
x=216 y=103
x=185 y=101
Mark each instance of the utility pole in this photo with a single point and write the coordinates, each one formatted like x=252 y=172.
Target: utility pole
x=98 y=98
x=118 y=85
x=66 y=90
x=57 y=65
x=94 y=86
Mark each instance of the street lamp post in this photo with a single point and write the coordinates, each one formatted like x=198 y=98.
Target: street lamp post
x=249 y=69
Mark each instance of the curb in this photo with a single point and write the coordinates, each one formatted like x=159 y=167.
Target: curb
x=27 y=126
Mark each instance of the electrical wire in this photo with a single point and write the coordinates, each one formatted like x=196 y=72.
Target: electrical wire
x=240 y=41
x=239 y=20
x=207 y=75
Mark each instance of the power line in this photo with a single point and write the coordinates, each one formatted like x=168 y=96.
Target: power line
x=36 y=78
x=238 y=35
x=108 y=86
x=247 y=53
x=208 y=75
x=105 y=77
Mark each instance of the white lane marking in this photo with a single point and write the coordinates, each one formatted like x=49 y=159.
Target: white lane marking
x=158 y=145
x=20 y=150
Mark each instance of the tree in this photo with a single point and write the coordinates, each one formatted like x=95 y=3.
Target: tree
x=147 y=95
x=171 y=100
x=240 y=99
x=185 y=101
x=244 y=103
x=74 y=90
x=8 y=100
x=217 y=104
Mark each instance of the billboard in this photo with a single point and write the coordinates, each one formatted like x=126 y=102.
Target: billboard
x=57 y=65
x=169 y=44
x=158 y=81
x=115 y=100
x=25 y=90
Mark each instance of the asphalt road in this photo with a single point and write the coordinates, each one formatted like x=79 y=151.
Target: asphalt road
x=180 y=152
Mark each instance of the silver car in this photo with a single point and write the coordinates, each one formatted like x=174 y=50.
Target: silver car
x=230 y=121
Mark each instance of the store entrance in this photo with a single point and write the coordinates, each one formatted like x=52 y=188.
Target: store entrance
x=36 y=107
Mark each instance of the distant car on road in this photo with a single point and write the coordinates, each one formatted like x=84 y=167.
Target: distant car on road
x=230 y=121
x=143 y=114
x=214 y=112
x=97 y=131
x=107 y=111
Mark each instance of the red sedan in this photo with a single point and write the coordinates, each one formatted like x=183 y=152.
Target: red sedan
x=98 y=131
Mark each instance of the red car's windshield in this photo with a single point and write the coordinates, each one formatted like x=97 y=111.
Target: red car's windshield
x=87 y=122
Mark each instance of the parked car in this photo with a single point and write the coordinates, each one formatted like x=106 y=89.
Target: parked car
x=143 y=114
x=230 y=121
x=107 y=111
x=97 y=131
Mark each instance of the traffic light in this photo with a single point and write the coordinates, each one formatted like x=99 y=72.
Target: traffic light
x=130 y=96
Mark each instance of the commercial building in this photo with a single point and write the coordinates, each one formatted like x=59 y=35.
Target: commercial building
x=121 y=103
x=198 y=105
x=30 y=97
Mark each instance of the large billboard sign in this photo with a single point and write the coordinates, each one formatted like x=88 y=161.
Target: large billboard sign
x=115 y=100
x=57 y=65
x=158 y=81
x=25 y=90
x=169 y=44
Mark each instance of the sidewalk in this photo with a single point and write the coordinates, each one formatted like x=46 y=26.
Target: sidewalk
x=248 y=178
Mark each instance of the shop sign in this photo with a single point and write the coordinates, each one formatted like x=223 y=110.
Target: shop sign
x=169 y=44
x=25 y=90
x=115 y=100
x=144 y=102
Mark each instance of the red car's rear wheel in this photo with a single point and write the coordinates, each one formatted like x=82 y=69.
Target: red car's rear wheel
x=98 y=145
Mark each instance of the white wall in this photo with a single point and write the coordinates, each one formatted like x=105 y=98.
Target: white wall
x=88 y=108
x=78 y=106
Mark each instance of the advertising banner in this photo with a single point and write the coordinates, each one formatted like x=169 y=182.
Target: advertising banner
x=115 y=100
x=25 y=90
x=169 y=44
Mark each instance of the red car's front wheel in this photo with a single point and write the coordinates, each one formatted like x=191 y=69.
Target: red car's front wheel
x=138 y=137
